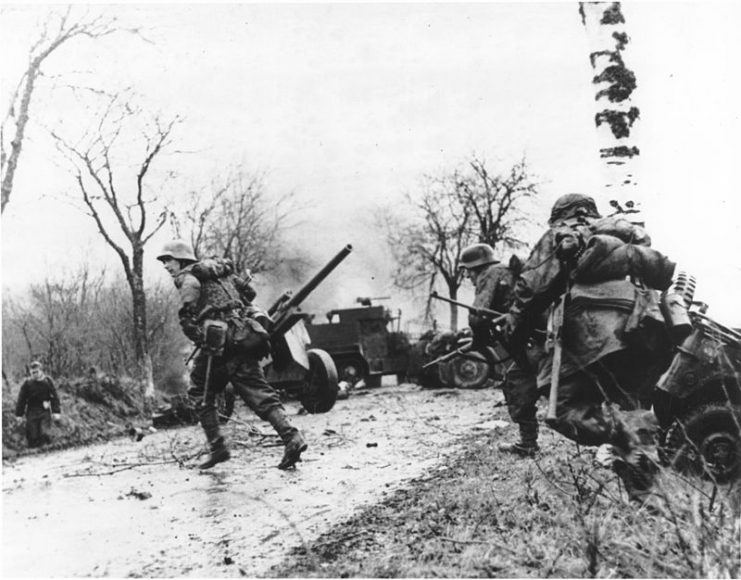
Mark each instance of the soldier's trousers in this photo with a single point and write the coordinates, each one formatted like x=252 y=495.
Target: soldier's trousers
x=248 y=380
x=38 y=424
x=520 y=389
x=620 y=378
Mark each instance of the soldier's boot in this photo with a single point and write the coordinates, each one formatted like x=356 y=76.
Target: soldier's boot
x=292 y=439
x=218 y=450
x=527 y=446
x=634 y=445
x=637 y=472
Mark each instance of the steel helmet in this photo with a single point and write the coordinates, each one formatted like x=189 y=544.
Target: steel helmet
x=573 y=204
x=178 y=249
x=477 y=255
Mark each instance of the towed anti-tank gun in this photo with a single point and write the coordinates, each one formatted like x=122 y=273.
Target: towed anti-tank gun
x=294 y=365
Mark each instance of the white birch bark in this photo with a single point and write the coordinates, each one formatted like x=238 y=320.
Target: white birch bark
x=616 y=115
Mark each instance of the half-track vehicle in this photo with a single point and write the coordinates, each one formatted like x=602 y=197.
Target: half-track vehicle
x=363 y=342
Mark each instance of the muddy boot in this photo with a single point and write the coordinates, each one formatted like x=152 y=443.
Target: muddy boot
x=219 y=452
x=527 y=446
x=292 y=439
x=637 y=472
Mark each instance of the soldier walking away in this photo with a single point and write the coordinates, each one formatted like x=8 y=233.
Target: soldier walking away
x=598 y=280
x=38 y=401
x=212 y=298
x=494 y=285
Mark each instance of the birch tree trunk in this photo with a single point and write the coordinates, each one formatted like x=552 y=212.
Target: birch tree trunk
x=615 y=113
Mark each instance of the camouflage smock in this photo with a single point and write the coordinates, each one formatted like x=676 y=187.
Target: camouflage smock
x=596 y=314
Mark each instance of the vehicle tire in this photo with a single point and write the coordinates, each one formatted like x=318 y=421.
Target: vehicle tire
x=706 y=443
x=225 y=404
x=351 y=369
x=468 y=372
x=320 y=388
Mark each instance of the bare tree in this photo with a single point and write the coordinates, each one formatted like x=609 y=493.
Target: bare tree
x=54 y=321
x=119 y=202
x=494 y=201
x=453 y=211
x=57 y=30
x=237 y=218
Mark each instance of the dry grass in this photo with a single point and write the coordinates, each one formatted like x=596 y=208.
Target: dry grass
x=489 y=515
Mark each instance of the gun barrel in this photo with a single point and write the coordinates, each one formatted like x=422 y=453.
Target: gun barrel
x=311 y=285
x=474 y=309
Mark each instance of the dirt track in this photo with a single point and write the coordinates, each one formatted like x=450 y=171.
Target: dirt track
x=140 y=509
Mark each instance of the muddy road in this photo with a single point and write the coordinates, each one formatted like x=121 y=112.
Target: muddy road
x=131 y=508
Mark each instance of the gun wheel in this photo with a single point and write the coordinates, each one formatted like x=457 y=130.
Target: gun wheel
x=320 y=388
x=707 y=443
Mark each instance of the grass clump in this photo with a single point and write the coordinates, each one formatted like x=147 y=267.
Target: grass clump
x=487 y=514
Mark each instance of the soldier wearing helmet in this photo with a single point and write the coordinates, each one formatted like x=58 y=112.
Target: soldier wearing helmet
x=606 y=370
x=211 y=286
x=494 y=284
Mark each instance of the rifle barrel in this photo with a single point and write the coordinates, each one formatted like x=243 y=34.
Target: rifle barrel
x=474 y=309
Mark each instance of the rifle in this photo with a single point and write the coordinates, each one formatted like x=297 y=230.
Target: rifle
x=447 y=356
x=493 y=316
x=556 y=335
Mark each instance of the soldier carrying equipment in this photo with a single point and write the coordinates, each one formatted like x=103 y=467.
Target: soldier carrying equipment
x=232 y=340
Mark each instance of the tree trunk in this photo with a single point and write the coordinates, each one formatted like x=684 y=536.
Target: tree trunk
x=453 y=293
x=10 y=164
x=615 y=113
x=141 y=347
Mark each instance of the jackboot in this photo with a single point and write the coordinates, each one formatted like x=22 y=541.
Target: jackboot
x=527 y=446
x=292 y=439
x=219 y=453
x=210 y=424
x=637 y=472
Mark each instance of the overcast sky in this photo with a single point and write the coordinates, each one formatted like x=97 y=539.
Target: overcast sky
x=347 y=105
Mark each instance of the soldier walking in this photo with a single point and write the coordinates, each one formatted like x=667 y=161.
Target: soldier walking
x=38 y=401
x=494 y=284
x=211 y=288
x=597 y=278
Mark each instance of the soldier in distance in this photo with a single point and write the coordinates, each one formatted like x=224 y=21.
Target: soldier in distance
x=212 y=283
x=494 y=283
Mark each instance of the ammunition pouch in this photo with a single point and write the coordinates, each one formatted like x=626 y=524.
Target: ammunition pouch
x=245 y=335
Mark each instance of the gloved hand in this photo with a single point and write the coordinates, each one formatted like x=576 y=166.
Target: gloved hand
x=56 y=416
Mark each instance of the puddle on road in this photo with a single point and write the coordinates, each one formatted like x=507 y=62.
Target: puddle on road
x=239 y=518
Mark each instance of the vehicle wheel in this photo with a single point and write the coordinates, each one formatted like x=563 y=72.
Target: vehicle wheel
x=468 y=372
x=319 y=391
x=225 y=403
x=707 y=443
x=351 y=370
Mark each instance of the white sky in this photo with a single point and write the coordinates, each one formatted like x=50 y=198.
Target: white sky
x=349 y=104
